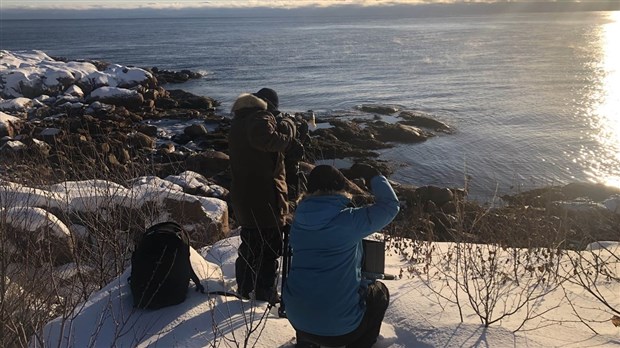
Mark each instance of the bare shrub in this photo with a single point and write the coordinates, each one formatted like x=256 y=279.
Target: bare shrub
x=493 y=279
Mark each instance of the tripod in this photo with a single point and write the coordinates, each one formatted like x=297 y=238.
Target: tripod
x=287 y=251
x=286 y=264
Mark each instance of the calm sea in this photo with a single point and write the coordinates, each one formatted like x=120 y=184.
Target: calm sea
x=535 y=98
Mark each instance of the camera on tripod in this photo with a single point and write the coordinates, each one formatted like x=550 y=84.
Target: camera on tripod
x=373 y=260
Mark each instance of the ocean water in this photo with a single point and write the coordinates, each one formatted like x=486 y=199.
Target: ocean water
x=534 y=98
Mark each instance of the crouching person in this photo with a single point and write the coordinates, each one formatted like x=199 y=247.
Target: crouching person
x=327 y=301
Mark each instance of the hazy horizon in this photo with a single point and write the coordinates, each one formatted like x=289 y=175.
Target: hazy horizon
x=337 y=8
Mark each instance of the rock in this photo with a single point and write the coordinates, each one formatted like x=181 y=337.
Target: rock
x=399 y=133
x=49 y=135
x=351 y=133
x=141 y=141
x=13 y=147
x=205 y=218
x=379 y=109
x=208 y=163
x=196 y=184
x=188 y=100
x=8 y=124
x=38 y=232
x=147 y=129
x=195 y=131
x=595 y=192
x=166 y=148
x=421 y=120
x=151 y=94
x=165 y=76
x=16 y=104
x=438 y=195
x=613 y=204
x=117 y=96
x=74 y=91
x=166 y=103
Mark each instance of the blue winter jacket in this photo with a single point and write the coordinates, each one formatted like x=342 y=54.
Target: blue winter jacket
x=324 y=289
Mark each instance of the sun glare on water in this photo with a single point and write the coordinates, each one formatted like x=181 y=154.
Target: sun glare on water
x=606 y=110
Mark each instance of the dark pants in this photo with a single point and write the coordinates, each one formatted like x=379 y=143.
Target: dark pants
x=256 y=266
x=377 y=301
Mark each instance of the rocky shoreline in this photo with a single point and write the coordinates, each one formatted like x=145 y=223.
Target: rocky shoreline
x=86 y=120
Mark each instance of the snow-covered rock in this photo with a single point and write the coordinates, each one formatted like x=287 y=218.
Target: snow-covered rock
x=38 y=232
x=206 y=218
x=34 y=73
x=17 y=104
x=195 y=183
x=117 y=96
x=7 y=124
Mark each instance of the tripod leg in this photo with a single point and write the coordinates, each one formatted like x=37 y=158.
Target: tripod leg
x=286 y=264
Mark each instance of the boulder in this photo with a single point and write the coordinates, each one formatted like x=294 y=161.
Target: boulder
x=141 y=141
x=417 y=119
x=196 y=184
x=188 y=100
x=208 y=163
x=13 y=147
x=595 y=192
x=379 y=109
x=39 y=233
x=205 y=218
x=16 y=104
x=195 y=131
x=117 y=96
x=147 y=129
x=399 y=133
x=438 y=195
x=8 y=124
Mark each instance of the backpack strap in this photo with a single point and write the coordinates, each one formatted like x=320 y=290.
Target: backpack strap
x=195 y=279
x=225 y=293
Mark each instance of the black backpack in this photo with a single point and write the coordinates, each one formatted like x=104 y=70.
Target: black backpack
x=160 y=267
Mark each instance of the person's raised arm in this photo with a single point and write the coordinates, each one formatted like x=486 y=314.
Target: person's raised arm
x=265 y=135
x=374 y=217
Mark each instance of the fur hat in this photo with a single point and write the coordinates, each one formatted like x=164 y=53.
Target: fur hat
x=326 y=178
x=270 y=96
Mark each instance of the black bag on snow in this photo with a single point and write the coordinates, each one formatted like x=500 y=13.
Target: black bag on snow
x=160 y=267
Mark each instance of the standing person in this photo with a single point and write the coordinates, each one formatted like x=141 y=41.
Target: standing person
x=257 y=143
x=327 y=301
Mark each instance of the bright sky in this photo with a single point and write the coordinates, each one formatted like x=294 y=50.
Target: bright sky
x=163 y=4
x=80 y=4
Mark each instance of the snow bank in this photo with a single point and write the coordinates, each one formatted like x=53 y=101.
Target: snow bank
x=417 y=316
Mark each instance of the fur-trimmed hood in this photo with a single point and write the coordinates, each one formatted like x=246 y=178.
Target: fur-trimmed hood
x=248 y=101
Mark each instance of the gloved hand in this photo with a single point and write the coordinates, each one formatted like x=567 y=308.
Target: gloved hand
x=295 y=151
x=287 y=126
x=365 y=171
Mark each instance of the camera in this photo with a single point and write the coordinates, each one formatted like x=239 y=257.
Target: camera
x=373 y=260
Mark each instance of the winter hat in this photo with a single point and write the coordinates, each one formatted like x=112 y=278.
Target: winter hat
x=270 y=96
x=325 y=178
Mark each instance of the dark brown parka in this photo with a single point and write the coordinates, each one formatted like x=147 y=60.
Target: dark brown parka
x=257 y=143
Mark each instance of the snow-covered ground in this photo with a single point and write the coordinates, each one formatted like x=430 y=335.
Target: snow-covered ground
x=417 y=316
